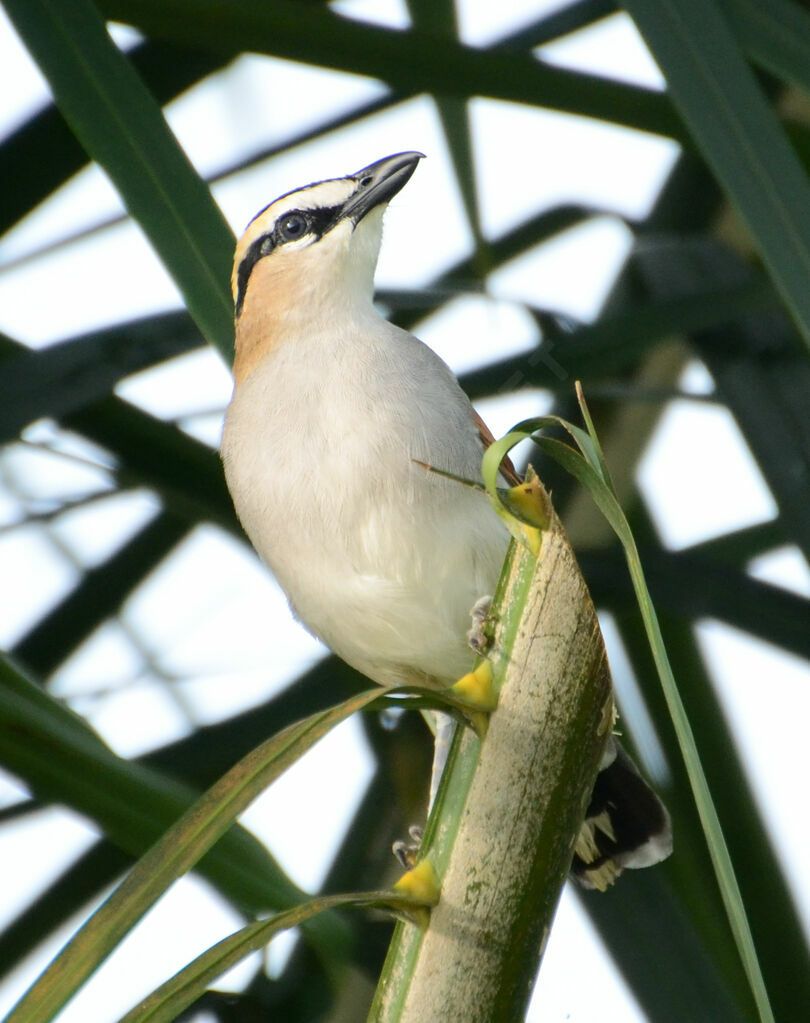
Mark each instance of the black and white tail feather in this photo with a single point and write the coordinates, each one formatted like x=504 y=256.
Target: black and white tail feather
x=626 y=824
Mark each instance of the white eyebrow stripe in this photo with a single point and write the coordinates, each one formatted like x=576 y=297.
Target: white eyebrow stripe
x=322 y=219
x=322 y=193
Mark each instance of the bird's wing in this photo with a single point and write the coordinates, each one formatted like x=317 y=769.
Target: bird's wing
x=508 y=471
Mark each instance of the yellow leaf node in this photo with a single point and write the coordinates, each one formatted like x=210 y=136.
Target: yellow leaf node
x=476 y=688
x=420 y=883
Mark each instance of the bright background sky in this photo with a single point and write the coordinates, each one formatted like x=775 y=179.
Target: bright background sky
x=193 y=644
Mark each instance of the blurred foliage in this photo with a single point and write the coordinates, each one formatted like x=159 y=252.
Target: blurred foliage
x=720 y=265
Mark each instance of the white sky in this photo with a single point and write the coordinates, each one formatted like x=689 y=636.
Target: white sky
x=202 y=620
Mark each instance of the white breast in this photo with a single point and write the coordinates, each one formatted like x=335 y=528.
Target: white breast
x=379 y=558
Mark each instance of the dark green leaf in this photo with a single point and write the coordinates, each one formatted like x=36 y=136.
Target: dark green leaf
x=408 y=61
x=136 y=806
x=65 y=377
x=122 y=127
x=43 y=152
x=739 y=135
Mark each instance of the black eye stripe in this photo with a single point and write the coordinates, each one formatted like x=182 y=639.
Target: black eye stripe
x=321 y=220
x=262 y=246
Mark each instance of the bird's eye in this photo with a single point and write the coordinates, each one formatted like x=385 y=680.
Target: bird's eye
x=294 y=225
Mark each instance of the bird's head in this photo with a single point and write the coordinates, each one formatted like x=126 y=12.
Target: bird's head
x=311 y=256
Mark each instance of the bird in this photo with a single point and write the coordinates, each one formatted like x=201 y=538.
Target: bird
x=334 y=415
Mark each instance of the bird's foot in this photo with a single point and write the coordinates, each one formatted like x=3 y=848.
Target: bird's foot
x=477 y=634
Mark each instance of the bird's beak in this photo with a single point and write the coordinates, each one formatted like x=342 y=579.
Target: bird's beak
x=379 y=183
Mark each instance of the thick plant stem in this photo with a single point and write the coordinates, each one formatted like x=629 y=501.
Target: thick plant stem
x=504 y=860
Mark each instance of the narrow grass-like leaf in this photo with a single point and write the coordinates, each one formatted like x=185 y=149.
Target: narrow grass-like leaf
x=63 y=761
x=167 y=71
x=562 y=21
x=770 y=908
x=165 y=1004
x=775 y=34
x=149 y=60
x=71 y=375
x=760 y=368
x=739 y=135
x=99 y=593
x=440 y=19
x=231 y=167
x=171 y=856
x=184 y=472
x=122 y=127
x=590 y=469
x=616 y=340
x=408 y=61
x=200 y=758
x=739 y=546
x=763 y=610
x=78 y=884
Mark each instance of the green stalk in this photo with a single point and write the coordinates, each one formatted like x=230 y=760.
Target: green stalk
x=508 y=812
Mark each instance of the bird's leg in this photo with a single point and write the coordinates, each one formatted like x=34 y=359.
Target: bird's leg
x=445 y=730
x=443 y=725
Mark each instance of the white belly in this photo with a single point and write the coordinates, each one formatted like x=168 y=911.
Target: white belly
x=379 y=558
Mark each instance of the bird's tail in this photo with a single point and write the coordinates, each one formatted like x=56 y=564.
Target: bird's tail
x=626 y=824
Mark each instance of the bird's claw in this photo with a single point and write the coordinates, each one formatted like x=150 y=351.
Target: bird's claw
x=406 y=852
x=476 y=635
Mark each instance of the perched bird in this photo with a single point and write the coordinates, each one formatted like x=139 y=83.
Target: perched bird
x=333 y=409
